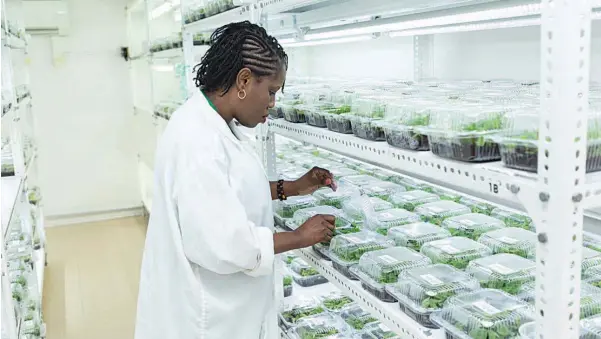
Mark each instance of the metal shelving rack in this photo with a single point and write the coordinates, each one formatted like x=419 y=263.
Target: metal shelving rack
x=17 y=211
x=557 y=198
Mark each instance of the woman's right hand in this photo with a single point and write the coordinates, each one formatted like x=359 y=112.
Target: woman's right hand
x=319 y=228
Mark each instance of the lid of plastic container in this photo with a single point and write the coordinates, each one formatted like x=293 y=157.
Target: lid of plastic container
x=456 y=245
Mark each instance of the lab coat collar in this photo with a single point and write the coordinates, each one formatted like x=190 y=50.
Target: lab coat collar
x=213 y=117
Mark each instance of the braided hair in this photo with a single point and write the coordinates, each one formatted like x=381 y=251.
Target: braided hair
x=233 y=47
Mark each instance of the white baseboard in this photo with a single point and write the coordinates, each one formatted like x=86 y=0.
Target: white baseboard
x=70 y=219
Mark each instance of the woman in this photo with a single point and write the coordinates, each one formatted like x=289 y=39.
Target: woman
x=207 y=270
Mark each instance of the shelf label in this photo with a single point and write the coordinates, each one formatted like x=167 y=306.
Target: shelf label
x=501 y=269
x=449 y=249
x=388 y=259
x=508 y=240
x=384 y=328
x=485 y=307
x=468 y=222
x=432 y=280
x=354 y=240
x=436 y=209
x=409 y=197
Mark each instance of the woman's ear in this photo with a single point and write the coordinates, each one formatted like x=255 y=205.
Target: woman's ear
x=243 y=78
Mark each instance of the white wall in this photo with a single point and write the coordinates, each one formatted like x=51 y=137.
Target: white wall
x=508 y=53
x=83 y=112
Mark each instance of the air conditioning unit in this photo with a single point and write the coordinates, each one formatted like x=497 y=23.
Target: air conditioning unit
x=48 y=17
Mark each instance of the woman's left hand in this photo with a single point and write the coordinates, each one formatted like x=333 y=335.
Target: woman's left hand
x=313 y=180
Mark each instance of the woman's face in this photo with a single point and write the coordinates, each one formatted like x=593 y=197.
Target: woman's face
x=260 y=96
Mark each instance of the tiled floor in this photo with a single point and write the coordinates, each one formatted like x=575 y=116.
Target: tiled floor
x=91 y=281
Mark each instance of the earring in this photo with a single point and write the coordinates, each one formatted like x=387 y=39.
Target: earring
x=241 y=97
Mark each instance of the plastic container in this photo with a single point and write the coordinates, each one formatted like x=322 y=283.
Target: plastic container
x=336 y=301
x=294 y=112
x=382 y=189
x=299 y=308
x=519 y=142
x=287 y=285
x=592 y=241
x=400 y=131
x=412 y=185
x=511 y=240
x=286 y=208
x=355 y=208
x=415 y=235
x=316 y=117
x=590 y=298
x=528 y=331
x=309 y=280
x=455 y=251
x=346 y=249
x=506 y=272
x=484 y=313
x=378 y=331
x=592 y=276
x=471 y=225
x=302 y=215
x=326 y=326
x=288 y=257
x=447 y=195
x=593 y=326
x=341 y=172
x=339 y=122
x=356 y=317
x=423 y=290
x=410 y=200
x=477 y=206
x=463 y=133
x=590 y=258
x=361 y=180
x=379 y=268
x=512 y=219
x=364 y=123
x=382 y=221
x=437 y=212
x=325 y=196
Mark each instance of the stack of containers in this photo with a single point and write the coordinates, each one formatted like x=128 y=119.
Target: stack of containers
x=346 y=249
x=298 y=309
x=415 y=235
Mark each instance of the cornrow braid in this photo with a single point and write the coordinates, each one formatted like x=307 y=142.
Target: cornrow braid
x=236 y=46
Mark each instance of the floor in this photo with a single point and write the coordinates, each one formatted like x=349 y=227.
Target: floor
x=91 y=281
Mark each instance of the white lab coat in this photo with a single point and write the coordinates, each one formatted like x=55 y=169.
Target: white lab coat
x=207 y=270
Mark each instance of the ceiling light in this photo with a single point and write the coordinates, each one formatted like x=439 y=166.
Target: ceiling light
x=286 y=41
x=329 y=41
x=160 y=10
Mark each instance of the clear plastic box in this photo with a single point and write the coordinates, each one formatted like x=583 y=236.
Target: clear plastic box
x=519 y=142
x=379 y=268
x=355 y=208
x=382 y=221
x=447 y=195
x=511 y=240
x=412 y=185
x=506 y=272
x=590 y=258
x=463 y=133
x=346 y=249
x=378 y=331
x=590 y=298
x=512 y=219
x=357 y=317
x=326 y=326
x=484 y=313
x=592 y=241
x=287 y=282
x=411 y=199
x=455 y=251
x=294 y=113
x=299 y=308
x=302 y=268
x=286 y=208
x=400 y=130
x=361 y=180
x=336 y=301
x=325 y=196
x=423 y=290
x=477 y=206
x=436 y=212
x=415 y=235
x=339 y=122
x=288 y=257
x=367 y=111
x=341 y=172
x=593 y=326
x=382 y=189
x=315 y=118
x=302 y=215
x=471 y=225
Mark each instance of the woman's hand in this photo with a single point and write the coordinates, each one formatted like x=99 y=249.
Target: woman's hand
x=313 y=180
x=319 y=228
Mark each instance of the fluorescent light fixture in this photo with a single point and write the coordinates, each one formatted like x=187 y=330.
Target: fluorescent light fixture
x=487 y=15
x=329 y=41
x=286 y=41
x=468 y=27
x=163 y=68
x=177 y=16
x=160 y=10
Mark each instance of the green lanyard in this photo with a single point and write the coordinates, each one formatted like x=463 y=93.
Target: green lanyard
x=209 y=101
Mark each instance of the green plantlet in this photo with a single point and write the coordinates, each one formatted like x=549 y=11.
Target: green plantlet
x=337 y=303
x=359 y=323
x=21 y=281
x=355 y=254
x=294 y=315
x=511 y=287
x=436 y=301
x=319 y=333
x=307 y=272
x=459 y=263
x=287 y=281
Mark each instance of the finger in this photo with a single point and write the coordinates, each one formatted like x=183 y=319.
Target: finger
x=329 y=218
x=329 y=233
x=328 y=226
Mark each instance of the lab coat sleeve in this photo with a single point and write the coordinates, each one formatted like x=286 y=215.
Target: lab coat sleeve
x=216 y=232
